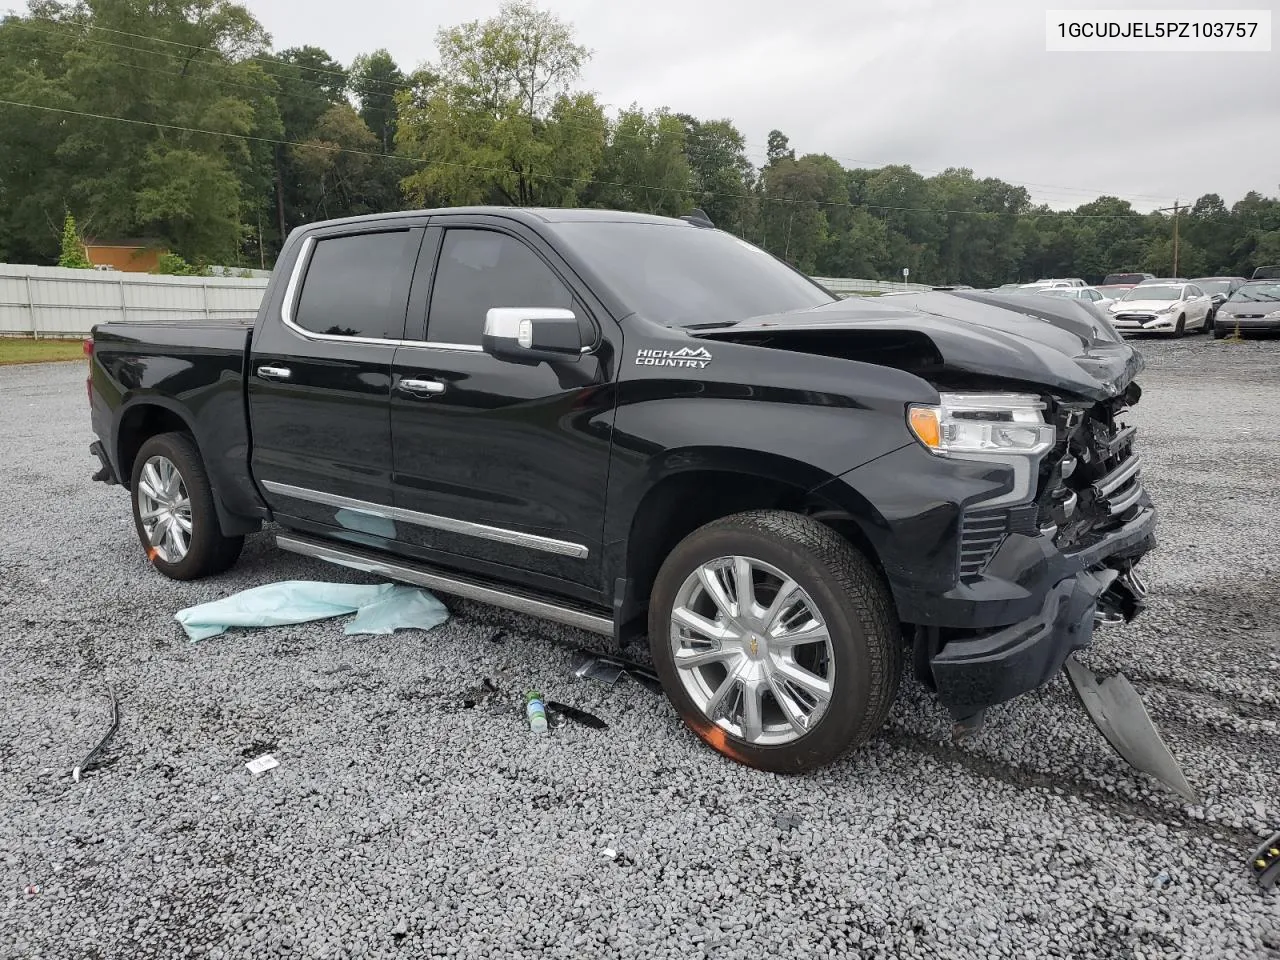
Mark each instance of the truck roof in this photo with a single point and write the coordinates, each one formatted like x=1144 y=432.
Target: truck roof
x=525 y=214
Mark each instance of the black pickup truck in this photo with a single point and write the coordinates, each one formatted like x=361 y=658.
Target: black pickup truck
x=647 y=426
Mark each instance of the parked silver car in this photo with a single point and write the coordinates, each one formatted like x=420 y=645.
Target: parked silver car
x=1172 y=308
x=1253 y=308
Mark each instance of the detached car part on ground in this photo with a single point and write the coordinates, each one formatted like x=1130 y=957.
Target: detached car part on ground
x=647 y=427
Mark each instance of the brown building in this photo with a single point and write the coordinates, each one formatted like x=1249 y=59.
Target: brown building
x=130 y=256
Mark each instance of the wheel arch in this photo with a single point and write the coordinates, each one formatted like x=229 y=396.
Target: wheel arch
x=150 y=416
x=707 y=484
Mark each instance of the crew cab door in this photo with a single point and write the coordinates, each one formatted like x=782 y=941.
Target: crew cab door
x=500 y=466
x=319 y=378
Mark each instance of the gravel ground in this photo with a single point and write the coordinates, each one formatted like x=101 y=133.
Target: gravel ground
x=402 y=823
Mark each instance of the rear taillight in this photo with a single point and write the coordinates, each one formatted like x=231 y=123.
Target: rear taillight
x=88 y=381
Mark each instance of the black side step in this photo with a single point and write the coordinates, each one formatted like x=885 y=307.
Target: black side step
x=424 y=576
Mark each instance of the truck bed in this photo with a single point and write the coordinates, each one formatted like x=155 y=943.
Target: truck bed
x=190 y=371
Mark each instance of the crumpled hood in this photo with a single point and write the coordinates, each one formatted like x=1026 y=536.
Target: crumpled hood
x=1062 y=345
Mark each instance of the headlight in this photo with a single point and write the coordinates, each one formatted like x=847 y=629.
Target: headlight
x=1170 y=308
x=1273 y=315
x=966 y=424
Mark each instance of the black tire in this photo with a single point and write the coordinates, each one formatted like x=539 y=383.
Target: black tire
x=1219 y=331
x=209 y=552
x=854 y=603
x=1181 y=329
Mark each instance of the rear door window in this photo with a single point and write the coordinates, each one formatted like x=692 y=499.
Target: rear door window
x=358 y=285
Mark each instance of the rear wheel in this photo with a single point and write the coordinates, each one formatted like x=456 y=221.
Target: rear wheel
x=173 y=510
x=775 y=640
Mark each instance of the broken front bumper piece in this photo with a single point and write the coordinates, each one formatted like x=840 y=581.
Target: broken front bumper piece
x=973 y=674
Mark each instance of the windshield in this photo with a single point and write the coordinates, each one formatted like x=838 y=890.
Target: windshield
x=1114 y=278
x=1154 y=292
x=1257 y=293
x=1059 y=292
x=1214 y=286
x=682 y=275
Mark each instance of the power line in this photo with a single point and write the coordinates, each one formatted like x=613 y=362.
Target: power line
x=275 y=91
x=192 y=46
x=761 y=148
x=684 y=191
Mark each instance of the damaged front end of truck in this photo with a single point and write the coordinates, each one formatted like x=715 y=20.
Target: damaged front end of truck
x=1045 y=542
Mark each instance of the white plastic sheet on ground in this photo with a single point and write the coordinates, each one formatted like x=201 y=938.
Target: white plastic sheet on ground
x=378 y=608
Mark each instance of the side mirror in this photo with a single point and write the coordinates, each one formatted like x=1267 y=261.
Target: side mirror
x=532 y=334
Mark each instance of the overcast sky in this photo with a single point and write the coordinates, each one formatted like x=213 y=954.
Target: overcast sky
x=932 y=83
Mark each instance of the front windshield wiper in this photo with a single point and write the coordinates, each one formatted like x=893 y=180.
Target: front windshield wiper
x=707 y=326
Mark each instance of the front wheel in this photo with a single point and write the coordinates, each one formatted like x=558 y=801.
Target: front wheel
x=173 y=510
x=1181 y=329
x=775 y=640
x=1219 y=331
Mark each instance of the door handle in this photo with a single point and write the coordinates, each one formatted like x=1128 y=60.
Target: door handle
x=275 y=373
x=420 y=387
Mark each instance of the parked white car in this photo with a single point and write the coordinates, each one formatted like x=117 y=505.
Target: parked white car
x=1059 y=282
x=1172 y=308
x=1089 y=294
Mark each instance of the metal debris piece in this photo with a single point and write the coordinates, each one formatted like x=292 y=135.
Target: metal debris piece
x=593 y=668
x=639 y=672
x=88 y=761
x=577 y=715
x=262 y=764
x=609 y=852
x=1116 y=709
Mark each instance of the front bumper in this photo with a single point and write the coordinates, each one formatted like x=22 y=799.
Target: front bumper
x=1146 y=323
x=979 y=671
x=1247 y=324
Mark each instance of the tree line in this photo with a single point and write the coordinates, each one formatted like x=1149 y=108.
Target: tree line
x=175 y=121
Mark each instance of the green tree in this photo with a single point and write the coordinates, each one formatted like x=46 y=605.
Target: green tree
x=721 y=176
x=175 y=77
x=72 y=247
x=645 y=167
x=502 y=123
x=375 y=81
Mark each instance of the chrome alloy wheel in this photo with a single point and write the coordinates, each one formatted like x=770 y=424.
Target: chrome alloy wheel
x=164 y=507
x=751 y=650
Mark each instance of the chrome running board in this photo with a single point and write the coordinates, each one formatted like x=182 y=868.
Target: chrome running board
x=424 y=577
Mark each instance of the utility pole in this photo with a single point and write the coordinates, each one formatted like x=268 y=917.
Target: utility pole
x=1175 y=208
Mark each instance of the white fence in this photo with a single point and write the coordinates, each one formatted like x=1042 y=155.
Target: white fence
x=58 y=302
x=843 y=285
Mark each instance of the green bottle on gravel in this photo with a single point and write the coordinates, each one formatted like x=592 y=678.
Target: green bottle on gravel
x=536 y=711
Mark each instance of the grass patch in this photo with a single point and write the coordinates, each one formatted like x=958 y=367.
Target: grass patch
x=29 y=350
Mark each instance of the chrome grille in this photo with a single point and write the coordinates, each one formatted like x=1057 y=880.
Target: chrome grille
x=1121 y=488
